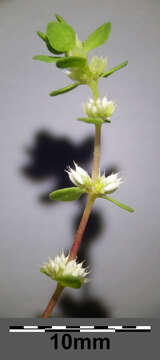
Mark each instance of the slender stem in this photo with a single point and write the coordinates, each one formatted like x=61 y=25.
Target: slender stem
x=81 y=228
x=52 y=301
x=97 y=140
x=94 y=88
x=87 y=210
x=97 y=147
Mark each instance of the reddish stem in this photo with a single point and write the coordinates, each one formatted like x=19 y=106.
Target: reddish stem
x=81 y=228
x=52 y=301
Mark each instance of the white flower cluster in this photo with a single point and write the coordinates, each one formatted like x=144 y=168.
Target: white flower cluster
x=103 y=185
x=101 y=108
x=68 y=273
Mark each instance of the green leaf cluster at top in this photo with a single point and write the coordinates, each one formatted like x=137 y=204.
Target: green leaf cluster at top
x=68 y=52
x=60 y=38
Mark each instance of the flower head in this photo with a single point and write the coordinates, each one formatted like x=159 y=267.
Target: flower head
x=67 y=273
x=102 y=108
x=101 y=186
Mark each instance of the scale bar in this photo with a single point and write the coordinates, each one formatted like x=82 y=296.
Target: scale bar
x=81 y=328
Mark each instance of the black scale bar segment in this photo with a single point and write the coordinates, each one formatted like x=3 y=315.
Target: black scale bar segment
x=16 y=327
x=100 y=327
x=129 y=327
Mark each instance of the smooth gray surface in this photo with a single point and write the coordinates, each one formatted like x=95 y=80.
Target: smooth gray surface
x=125 y=258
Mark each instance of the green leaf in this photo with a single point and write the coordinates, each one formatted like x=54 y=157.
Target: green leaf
x=67 y=194
x=49 y=47
x=115 y=69
x=48 y=59
x=64 y=90
x=98 y=37
x=123 y=206
x=71 y=62
x=70 y=281
x=41 y=35
x=61 y=36
x=42 y=270
x=59 y=18
x=96 y=121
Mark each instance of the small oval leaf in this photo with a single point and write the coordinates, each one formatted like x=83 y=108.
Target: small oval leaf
x=67 y=194
x=98 y=37
x=71 y=62
x=61 y=36
x=89 y=120
x=118 y=67
x=70 y=281
x=48 y=59
x=123 y=206
x=64 y=90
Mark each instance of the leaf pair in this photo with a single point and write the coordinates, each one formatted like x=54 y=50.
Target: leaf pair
x=74 y=193
x=95 y=121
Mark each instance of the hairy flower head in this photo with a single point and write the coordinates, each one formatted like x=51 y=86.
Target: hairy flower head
x=67 y=273
x=101 y=186
x=102 y=108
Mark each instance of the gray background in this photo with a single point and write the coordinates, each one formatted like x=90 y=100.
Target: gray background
x=124 y=257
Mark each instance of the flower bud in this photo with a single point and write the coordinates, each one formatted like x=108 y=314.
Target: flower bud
x=97 y=65
x=101 y=108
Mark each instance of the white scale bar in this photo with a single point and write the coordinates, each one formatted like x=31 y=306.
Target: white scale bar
x=139 y=327
x=97 y=330
x=58 y=327
x=30 y=327
x=86 y=327
x=27 y=330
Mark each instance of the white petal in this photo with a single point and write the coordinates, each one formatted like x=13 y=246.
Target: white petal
x=81 y=171
x=77 y=178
